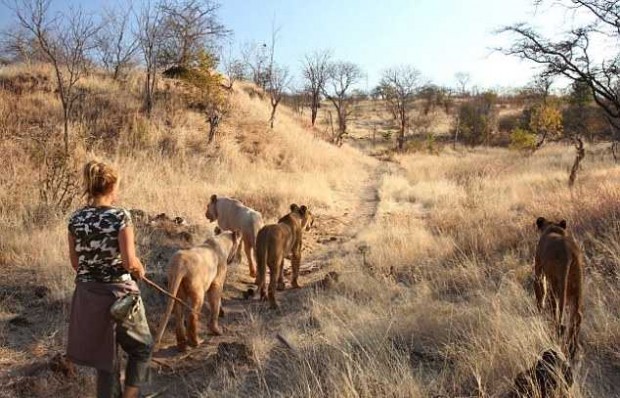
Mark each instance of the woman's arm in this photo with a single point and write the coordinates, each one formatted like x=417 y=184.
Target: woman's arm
x=128 y=252
x=72 y=253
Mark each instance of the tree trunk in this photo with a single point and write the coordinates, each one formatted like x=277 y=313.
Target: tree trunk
x=331 y=124
x=272 y=118
x=66 y=128
x=149 y=91
x=314 y=107
x=315 y=111
x=214 y=122
x=117 y=70
x=401 y=134
x=580 y=154
x=456 y=131
x=342 y=120
x=147 y=94
x=540 y=143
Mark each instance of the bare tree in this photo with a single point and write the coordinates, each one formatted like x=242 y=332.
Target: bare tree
x=64 y=40
x=477 y=118
x=116 y=46
x=537 y=90
x=18 y=45
x=462 y=79
x=234 y=68
x=278 y=77
x=150 y=32
x=571 y=56
x=255 y=57
x=341 y=77
x=279 y=80
x=191 y=26
x=315 y=72
x=297 y=99
x=399 y=87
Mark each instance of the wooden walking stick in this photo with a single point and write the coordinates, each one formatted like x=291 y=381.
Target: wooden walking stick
x=165 y=292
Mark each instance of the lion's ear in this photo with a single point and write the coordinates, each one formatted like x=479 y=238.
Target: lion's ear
x=303 y=209
x=294 y=207
x=562 y=224
x=213 y=198
x=540 y=222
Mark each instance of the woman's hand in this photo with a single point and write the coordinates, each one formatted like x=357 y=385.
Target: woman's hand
x=138 y=271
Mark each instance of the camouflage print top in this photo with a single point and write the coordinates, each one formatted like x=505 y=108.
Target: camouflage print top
x=96 y=230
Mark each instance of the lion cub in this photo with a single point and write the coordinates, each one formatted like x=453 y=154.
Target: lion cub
x=558 y=265
x=193 y=272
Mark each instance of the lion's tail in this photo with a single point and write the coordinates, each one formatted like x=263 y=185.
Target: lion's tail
x=173 y=288
x=261 y=261
x=563 y=293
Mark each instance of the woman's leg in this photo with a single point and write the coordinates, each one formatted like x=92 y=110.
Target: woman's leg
x=108 y=384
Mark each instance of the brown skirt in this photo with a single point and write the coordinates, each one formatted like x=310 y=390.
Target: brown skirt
x=91 y=338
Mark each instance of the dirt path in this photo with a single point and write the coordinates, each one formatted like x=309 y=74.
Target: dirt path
x=182 y=374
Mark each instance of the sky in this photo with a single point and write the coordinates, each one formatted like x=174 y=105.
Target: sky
x=438 y=37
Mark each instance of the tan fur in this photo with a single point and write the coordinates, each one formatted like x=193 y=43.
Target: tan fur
x=558 y=265
x=193 y=272
x=274 y=243
x=232 y=215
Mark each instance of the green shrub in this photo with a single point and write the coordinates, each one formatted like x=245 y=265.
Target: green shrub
x=521 y=139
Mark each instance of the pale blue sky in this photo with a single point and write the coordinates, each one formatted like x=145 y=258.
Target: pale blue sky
x=439 y=37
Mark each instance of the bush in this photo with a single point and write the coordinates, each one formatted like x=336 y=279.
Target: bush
x=521 y=139
x=478 y=118
x=545 y=120
x=509 y=122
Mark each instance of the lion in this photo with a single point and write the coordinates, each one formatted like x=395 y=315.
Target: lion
x=191 y=273
x=232 y=215
x=558 y=265
x=274 y=243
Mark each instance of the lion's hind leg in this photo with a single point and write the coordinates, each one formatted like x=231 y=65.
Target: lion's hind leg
x=214 y=296
x=540 y=288
x=247 y=247
x=179 y=318
x=295 y=264
x=573 y=336
x=281 y=285
x=560 y=292
x=275 y=267
x=197 y=298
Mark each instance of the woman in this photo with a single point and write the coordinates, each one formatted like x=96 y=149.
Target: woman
x=102 y=251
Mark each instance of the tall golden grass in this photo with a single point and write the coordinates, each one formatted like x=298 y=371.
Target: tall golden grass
x=445 y=306
x=440 y=305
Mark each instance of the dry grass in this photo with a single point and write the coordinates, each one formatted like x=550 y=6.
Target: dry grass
x=166 y=166
x=441 y=304
x=449 y=280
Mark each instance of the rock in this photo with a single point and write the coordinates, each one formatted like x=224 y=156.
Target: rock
x=234 y=352
x=329 y=281
x=20 y=321
x=248 y=294
x=41 y=291
x=550 y=372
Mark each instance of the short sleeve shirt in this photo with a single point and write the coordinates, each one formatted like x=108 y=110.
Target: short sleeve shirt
x=96 y=231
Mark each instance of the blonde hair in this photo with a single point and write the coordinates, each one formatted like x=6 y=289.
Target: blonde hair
x=99 y=179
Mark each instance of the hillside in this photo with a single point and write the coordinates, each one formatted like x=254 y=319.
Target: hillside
x=433 y=251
